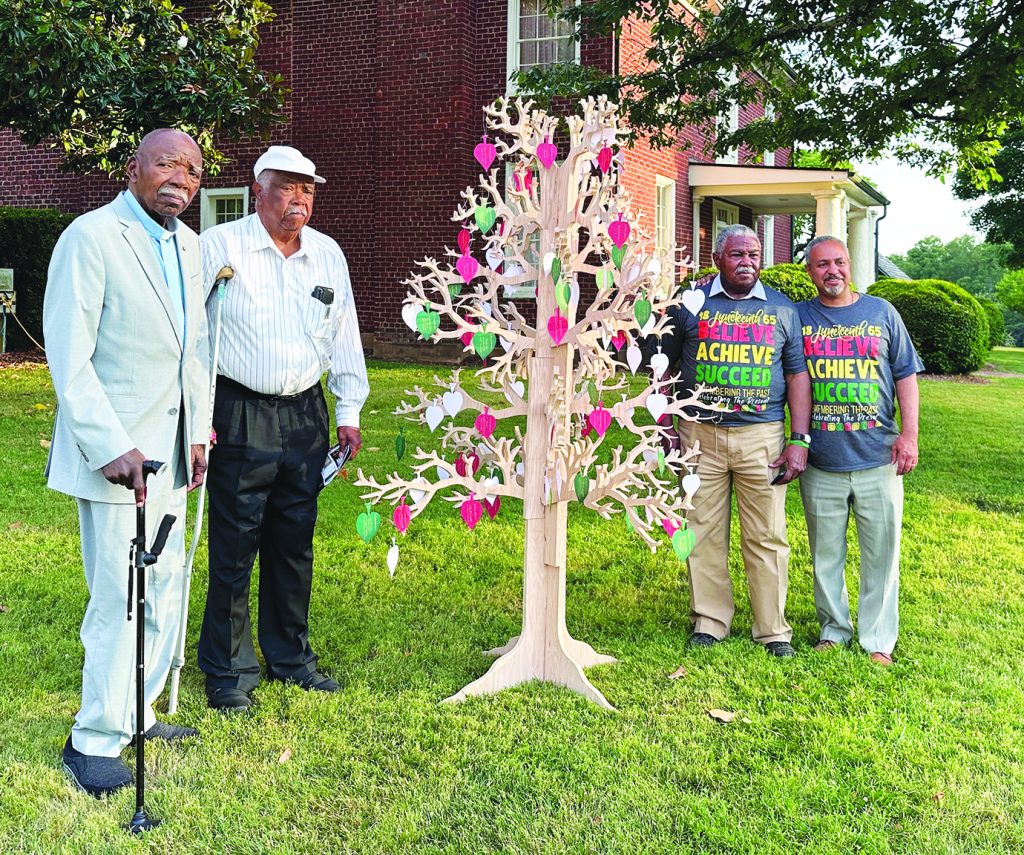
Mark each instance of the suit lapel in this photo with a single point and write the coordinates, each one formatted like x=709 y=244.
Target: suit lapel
x=142 y=246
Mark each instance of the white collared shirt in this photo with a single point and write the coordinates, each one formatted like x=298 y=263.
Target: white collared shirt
x=755 y=293
x=276 y=338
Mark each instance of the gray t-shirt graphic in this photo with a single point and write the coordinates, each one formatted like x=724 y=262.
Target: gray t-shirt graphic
x=855 y=354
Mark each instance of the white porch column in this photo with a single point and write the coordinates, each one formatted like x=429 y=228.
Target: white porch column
x=861 y=242
x=830 y=212
x=695 y=249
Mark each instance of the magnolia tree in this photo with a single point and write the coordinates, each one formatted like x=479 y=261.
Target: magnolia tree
x=552 y=222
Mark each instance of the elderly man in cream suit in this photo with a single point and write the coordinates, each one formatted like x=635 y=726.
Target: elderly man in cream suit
x=127 y=348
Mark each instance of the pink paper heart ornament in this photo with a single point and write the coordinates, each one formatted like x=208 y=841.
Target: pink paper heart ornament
x=471 y=511
x=485 y=424
x=547 y=152
x=618 y=231
x=467 y=267
x=485 y=153
x=558 y=326
x=599 y=419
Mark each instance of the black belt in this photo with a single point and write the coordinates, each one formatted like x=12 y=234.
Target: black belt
x=236 y=387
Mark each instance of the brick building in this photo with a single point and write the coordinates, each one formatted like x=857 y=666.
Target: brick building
x=386 y=99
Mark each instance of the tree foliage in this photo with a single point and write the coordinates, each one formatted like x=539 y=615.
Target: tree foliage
x=95 y=77
x=1010 y=290
x=934 y=83
x=1001 y=215
x=973 y=265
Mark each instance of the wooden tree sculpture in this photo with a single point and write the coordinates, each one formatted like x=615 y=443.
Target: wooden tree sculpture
x=555 y=221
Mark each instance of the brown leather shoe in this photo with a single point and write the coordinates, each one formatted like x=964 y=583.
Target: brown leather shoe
x=883 y=659
x=825 y=644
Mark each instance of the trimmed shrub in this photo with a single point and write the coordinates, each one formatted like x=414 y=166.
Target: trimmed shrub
x=996 y=323
x=948 y=326
x=27 y=238
x=792 y=280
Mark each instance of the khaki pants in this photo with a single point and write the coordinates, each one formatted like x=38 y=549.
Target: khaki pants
x=738 y=458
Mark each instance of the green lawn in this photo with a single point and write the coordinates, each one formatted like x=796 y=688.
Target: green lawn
x=1008 y=359
x=827 y=753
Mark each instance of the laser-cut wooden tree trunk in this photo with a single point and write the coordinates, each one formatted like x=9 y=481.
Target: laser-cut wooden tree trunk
x=554 y=221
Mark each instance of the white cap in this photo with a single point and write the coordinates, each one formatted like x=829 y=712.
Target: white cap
x=284 y=158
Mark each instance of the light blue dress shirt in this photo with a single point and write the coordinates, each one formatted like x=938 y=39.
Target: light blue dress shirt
x=165 y=244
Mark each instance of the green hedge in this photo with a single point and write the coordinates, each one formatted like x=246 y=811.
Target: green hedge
x=996 y=322
x=948 y=326
x=792 y=280
x=27 y=238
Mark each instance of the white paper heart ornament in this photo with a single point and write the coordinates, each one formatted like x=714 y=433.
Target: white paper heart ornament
x=434 y=416
x=657 y=404
x=634 y=356
x=519 y=387
x=654 y=268
x=549 y=259
x=409 y=313
x=648 y=328
x=392 y=558
x=693 y=300
x=650 y=456
x=691 y=483
x=490 y=486
x=659 y=364
x=574 y=291
x=417 y=495
x=495 y=257
x=486 y=308
x=452 y=402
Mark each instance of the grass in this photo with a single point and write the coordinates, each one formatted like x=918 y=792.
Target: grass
x=827 y=753
x=1009 y=359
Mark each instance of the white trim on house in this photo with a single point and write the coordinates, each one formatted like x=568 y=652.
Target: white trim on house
x=208 y=205
x=512 y=42
x=664 y=214
x=722 y=214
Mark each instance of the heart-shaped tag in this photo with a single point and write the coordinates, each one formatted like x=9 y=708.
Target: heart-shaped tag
x=392 y=558
x=484 y=217
x=485 y=424
x=467 y=338
x=670 y=526
x=452 y=402
x=547 y=151
x=485 y=152
x=618 y=253
x=471 y=511
x=618 y=231
x=659 y=364
x=605 y=278
x=409 y=313
x=648 y=328
x=548 y=261
x=604 y=159
x=556 y=269
x=558 y=326
x=484 y=343
x=563 y=294
x=467 y=267
x=661 y=462
x=463 y=241
x=492 y=506
x=599 y=419
x=495 y=257
x=693 y=300
x=400 y=444
x=691 y=483
x=581 y=484
x=434 y=416
x=634 y=356
x=642 y=312
x=427 y=323
x=368 y=524
x=454 y=289
x=442 y=473
x=619 y=340
x=401 y=516
x=519 y=387
x=683 y=542
x=417 y=496
x=657 y=403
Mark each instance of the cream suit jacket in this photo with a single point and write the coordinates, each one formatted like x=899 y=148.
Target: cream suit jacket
x=114 y=346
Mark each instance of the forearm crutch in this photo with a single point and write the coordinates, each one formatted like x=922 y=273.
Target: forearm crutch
x=224 y=275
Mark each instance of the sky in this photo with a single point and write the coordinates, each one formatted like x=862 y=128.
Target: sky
x=921 y=206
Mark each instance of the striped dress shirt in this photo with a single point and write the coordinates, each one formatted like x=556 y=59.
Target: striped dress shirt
x=276 y=338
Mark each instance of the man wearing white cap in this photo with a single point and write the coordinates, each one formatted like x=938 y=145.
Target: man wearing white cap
x=288 y=316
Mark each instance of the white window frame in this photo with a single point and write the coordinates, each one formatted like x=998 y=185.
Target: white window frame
x=208 y=203
x=512 y=45
x=769 y=115
x=768 y=244
x=731 y=218
x=664 y=213
x=731 y=123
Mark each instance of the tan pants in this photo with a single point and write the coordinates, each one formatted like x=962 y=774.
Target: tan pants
x=738 y=457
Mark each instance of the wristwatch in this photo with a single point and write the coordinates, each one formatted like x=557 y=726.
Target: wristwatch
x=803 y=439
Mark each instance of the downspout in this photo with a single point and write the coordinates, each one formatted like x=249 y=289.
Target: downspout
x=885 y=213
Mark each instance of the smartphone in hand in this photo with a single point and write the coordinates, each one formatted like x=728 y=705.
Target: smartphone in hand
x=781 y=474
x=336 y=460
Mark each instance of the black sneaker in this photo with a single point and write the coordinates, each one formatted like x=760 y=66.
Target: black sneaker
x=702 y=639
x=96 y=776
x=228 y=698
x=782 y=649
x=168 y=733
x=316 y=682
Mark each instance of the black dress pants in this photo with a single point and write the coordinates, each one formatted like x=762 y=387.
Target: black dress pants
x=263 y=482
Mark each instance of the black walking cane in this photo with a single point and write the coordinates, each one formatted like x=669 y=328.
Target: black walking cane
x=138 y=560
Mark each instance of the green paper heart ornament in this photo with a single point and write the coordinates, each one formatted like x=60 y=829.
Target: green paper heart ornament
x=556 y=269
x=581 y=483
x=618 y=253
x=483 y=343
x=427 y=322
x=454 y=288
x=605 y=279
x=682 y=542
x=642 y=312
x=484 y=217
x=400 y=444
x=368 y=523
x=563 y=294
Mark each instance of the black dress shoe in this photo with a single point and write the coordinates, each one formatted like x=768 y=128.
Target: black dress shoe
x=702 y=639
x=96 y=776
x=168 y=733
x=316 y=682
x=228 y=698
x=782 y=649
